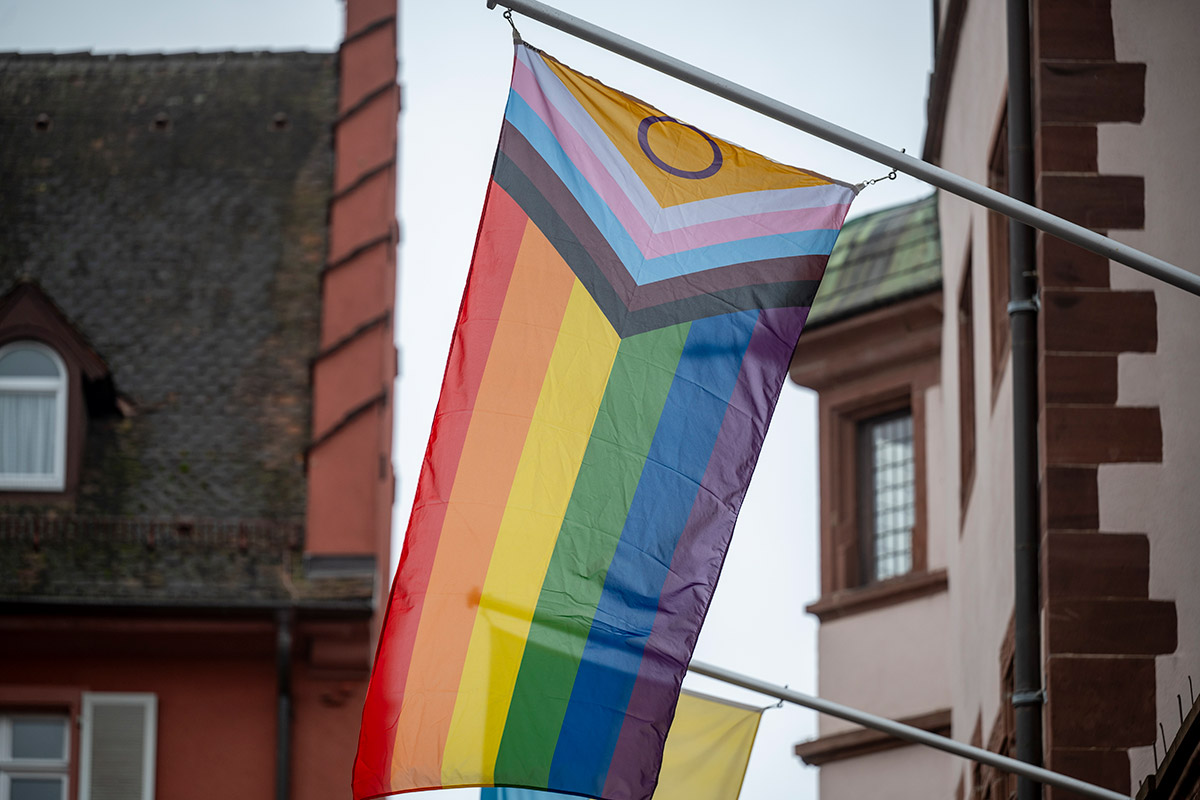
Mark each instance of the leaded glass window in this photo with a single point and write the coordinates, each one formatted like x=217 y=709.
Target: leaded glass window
x=887 y=495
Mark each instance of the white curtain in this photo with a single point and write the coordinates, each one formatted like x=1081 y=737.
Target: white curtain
x=27 y=433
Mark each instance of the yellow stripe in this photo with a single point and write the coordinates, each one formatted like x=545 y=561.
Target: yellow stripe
x=562 y=423
x=619 y=116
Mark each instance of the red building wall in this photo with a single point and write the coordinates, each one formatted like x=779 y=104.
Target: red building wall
x=213 y=671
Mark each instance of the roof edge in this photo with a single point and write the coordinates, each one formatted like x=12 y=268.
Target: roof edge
x=84 y=55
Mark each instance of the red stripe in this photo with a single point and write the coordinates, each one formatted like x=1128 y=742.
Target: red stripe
x=501 y=229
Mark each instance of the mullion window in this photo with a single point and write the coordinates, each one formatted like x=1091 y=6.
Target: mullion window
x=886 y=495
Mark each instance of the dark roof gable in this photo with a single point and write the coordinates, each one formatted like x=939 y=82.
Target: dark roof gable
x=27 y=313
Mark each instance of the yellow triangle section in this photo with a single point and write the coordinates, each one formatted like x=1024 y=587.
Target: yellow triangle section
x=678 y=146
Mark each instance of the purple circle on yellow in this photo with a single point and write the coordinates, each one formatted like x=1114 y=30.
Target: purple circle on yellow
x=644 y=142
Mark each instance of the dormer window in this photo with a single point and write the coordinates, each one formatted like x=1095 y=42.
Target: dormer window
x=33 y=418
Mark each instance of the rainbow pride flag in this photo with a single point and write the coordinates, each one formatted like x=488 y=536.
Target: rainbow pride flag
x=636 y=292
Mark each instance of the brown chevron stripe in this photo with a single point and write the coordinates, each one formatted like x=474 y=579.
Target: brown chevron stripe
x=544 y=182
x=720 y=279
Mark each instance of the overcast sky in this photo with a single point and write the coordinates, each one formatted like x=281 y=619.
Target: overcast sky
x=862 y=64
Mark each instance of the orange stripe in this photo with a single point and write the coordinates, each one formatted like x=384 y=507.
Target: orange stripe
x=512 y=381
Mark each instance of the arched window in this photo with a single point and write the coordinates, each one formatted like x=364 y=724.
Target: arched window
x=33 y=418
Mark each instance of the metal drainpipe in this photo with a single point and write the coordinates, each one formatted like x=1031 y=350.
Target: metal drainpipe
x=1027 y=697
x=283 y=723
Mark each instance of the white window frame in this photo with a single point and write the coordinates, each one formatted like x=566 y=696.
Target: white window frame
x=6 y=782
x=149 y=704
x=56 y=480
x=59 y=768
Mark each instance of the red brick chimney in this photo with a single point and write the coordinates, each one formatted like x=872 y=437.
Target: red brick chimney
x=350 y=482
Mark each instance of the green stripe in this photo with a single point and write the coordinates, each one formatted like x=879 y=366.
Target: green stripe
x=612 y=466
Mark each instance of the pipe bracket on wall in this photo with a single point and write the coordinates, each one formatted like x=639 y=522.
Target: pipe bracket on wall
x=1028 y=698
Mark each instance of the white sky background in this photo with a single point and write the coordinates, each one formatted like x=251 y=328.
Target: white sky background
x=862 y=64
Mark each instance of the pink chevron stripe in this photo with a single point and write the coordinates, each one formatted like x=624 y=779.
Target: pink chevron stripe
x=771 y=223
x=649 y=243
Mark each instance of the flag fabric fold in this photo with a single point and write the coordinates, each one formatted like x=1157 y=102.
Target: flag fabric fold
x=705 y=756
x=635 y=294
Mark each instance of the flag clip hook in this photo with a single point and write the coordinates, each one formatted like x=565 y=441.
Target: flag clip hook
x=516 y=34
x=891 y=176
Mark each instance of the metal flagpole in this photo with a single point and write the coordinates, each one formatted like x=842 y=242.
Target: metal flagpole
x=907 y=732
x=789 y=115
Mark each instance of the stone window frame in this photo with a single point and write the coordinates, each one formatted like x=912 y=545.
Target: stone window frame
x=997 y=254
x=867 y=498
x=967 y=449
x=864 y=366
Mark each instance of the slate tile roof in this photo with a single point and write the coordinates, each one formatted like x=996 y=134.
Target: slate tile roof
x=175 y=209
x=165 y=563
x=881 y=258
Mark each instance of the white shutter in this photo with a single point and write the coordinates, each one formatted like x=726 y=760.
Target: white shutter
x=116 y=741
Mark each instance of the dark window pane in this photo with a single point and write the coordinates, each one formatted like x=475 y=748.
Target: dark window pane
x=39 y=738
x=27 y=363
x=37 y=788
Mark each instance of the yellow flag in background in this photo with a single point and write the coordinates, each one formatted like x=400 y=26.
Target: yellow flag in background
x=705 y=758
x=707 y=749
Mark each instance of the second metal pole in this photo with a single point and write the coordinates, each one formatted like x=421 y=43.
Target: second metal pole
x=906 y=732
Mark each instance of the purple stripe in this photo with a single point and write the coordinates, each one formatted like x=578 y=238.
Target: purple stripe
x=700 y=553
x=653 y=244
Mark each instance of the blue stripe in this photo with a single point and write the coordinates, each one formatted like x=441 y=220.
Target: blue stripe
x=509 y=793
x=679 y=455
x=644 y=270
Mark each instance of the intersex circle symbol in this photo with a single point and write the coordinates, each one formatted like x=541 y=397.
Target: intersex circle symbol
x=644 y=141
